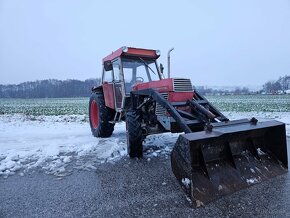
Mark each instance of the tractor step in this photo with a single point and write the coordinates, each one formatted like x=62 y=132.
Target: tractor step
x=117 y=117
x=233 y=156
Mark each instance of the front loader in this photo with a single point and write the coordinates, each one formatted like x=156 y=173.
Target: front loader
x=213 y=156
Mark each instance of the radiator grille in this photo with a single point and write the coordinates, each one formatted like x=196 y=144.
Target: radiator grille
x=182 y=85
x=159 y=109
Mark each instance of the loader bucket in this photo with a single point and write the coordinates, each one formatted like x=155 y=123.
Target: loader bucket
x=233 y=156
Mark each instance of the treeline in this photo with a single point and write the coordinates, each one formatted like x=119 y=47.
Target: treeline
x=211 y=91
x=51 y=88
x=280 y=86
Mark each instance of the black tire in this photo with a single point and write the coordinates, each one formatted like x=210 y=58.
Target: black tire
x=100 y=115
x=134 y=134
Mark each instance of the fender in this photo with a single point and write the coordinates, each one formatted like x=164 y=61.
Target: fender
x=107 y=90
x=97 y=89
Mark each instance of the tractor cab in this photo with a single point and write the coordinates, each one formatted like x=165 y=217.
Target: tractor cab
x=127 y=67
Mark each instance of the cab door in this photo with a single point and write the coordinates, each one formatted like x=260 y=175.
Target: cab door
x=118 y=84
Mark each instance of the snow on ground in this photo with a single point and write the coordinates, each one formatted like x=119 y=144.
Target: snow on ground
x=58 y=144
x=53 y=142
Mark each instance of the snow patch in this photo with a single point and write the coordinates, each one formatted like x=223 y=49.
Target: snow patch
x=52 y=142
x=252 y=181
x=252 y=170
x=186 y=182
x=159 y=145
x=260 y=152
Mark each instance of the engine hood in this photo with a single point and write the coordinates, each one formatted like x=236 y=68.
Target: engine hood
x=166 y=85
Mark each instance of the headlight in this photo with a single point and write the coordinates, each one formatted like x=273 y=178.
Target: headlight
x=124 y=48
x=158 y=53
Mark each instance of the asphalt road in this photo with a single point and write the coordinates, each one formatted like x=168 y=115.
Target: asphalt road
x=132 y=188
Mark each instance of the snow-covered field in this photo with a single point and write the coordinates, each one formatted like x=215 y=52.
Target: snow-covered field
x=58 y=144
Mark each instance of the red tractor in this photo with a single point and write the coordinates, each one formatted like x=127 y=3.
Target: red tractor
x=215 y=155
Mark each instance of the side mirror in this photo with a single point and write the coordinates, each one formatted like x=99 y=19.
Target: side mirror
x=161 y=68
x=108 y=65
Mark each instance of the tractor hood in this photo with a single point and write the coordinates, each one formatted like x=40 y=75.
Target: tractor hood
x=166 y=85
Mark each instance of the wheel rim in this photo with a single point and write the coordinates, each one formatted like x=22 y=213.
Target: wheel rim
x=94 y=114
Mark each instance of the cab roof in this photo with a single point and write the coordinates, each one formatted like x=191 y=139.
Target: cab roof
x=133 y=52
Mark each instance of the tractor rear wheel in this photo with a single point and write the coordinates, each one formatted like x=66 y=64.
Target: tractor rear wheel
x=100 y=115
x=134 y=134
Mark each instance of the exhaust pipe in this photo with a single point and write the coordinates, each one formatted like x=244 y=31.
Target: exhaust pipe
x=168 y=61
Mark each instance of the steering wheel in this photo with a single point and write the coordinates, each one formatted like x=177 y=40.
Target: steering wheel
x=139 y=79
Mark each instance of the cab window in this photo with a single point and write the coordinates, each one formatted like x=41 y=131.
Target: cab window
x=138 y=71
x=116 y=69
x=108 y=76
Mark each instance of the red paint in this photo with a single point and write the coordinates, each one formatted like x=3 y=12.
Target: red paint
x=114 y=55
x=109 y=95
x=94 y=114
x=180 y=96
x=164 y=85
x=139 y=52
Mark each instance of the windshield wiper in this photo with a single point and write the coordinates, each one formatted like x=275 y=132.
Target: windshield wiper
x=147 y=65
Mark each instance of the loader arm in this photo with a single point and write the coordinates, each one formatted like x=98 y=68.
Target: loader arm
x=199 y=114
x=159 y=99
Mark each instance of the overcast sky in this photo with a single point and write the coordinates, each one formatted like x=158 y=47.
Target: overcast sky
x=216 y=42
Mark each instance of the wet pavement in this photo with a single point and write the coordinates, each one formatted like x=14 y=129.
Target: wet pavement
x=132 y=188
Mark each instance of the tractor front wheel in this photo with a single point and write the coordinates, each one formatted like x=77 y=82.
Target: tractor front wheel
x=100 y=115
x=134 y=134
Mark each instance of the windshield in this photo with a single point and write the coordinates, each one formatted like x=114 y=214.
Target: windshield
x=139 y=71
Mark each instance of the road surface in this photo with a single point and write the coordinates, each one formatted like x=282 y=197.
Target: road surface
x=132 y=188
